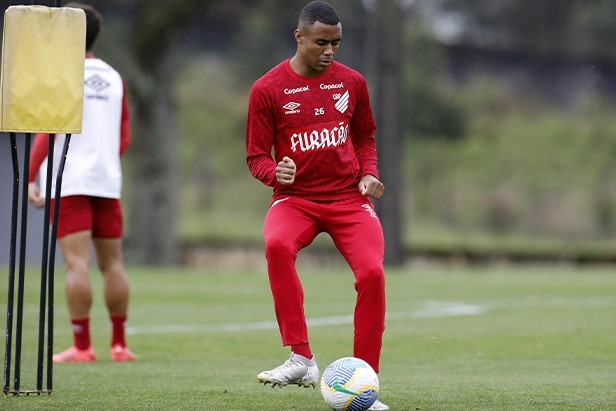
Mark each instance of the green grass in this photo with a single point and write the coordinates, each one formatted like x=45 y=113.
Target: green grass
x=536 y=338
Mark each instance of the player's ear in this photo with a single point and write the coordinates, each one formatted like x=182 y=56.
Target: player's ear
x=298 y=36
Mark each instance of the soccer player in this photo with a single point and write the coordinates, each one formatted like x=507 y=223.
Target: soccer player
x=314 y=114
x=90 y=208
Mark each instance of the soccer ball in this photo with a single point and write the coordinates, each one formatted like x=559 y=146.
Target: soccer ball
x=349 y=384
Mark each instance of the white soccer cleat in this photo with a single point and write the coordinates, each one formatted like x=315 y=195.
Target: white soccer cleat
x=378 y=406
x=296 y=370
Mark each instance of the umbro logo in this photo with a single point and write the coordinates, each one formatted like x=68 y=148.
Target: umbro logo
x=291 y=107
x=96 y=83
x=370 y=210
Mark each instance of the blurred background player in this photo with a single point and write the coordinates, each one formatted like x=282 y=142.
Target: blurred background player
x=90 y=208
x=315 y=114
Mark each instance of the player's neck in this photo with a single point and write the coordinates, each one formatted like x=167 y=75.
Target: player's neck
x=302 y=69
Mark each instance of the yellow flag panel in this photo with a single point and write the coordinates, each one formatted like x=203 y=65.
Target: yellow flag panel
x=43 y=54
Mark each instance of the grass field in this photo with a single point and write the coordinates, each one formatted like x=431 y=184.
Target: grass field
x=490 y=338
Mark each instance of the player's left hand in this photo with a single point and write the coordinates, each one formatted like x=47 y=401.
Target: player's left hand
x=34 y=195
x=370 y=186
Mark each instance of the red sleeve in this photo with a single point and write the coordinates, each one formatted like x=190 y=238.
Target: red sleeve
x=260 y=138
x=124 y=125
x=363 y=130
x=38 y=154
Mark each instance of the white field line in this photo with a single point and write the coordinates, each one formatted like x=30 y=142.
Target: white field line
x=430 y=309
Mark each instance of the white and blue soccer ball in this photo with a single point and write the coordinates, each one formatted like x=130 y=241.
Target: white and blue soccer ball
x=349 y=384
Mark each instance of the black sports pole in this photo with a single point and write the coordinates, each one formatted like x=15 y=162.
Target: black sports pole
x=22 y=265
x=11 y=279
x=44 y=265
x=52 y=259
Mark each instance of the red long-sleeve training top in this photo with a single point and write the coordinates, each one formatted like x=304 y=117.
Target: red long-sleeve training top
x=325 y=124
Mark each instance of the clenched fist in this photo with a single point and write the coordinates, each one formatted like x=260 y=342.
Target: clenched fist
x=285 y=171
x=371 y=186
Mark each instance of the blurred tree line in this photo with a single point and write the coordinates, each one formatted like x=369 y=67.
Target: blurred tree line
x=481 y=159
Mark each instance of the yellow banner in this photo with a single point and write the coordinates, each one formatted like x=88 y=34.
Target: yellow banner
x=43 y=56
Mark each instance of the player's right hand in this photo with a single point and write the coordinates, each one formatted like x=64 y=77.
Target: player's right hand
x=285 y=171
x=34 y=195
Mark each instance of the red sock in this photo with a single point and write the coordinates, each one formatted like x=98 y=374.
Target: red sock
x=118 y=325
x=302 y=349
x=81 y=333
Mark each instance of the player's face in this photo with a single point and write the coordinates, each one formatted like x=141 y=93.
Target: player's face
x=317 y=46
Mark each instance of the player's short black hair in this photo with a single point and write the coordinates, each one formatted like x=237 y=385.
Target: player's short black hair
x=318 y=11
x=94 y=21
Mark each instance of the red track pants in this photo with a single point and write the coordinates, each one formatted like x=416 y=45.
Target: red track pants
x=291 y=224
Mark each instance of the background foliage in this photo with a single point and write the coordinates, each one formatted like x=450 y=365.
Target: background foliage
x=508 y=137
x=486 y=163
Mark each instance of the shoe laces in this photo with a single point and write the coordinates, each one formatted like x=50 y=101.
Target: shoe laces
x=292 y=363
